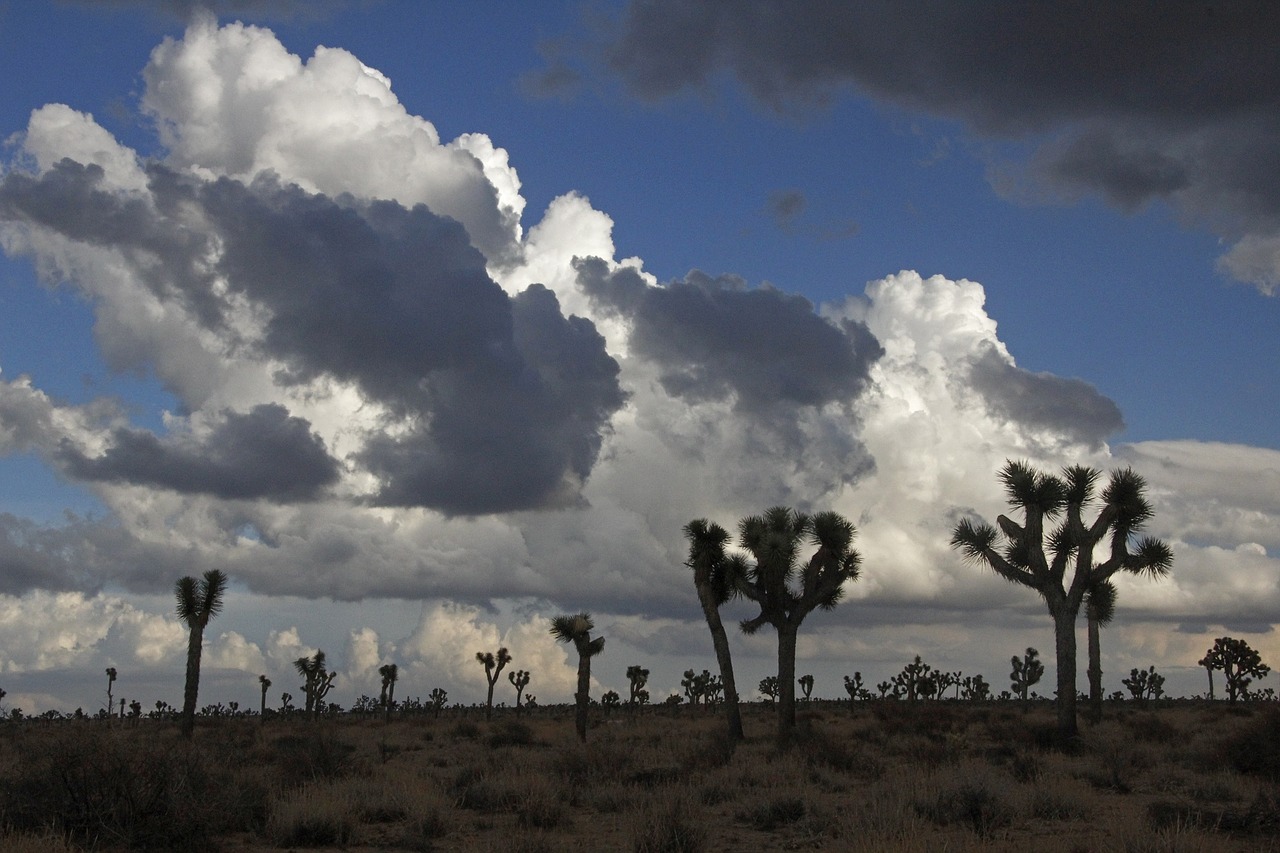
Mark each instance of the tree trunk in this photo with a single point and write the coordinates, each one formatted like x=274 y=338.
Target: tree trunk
x=786 y=682
x=1064 y=631
x=583 y=697
x=1095 y=670
x=191 y=688
x=720 y=640
x=488 y=702
x=1210 y=671
x=391 y=701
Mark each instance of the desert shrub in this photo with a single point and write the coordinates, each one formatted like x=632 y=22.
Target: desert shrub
x=1051 y=802
x=767 y=815
x=122 y=790
x=1255 y=747
x=314 y=816
x=34 y=842
x=310 y=755
x=973 y=802
x=668 y=824
x=539 y=810
x=1024 y=766
x=511 y=733
x=466 y=730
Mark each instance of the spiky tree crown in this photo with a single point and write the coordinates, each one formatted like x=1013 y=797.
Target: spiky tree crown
x=200 y=601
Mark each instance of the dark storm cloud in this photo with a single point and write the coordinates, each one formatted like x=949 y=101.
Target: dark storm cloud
x=265 y=453
x=495 y=403
x=714 y=337
x=1138 y=101
x=1042 y=400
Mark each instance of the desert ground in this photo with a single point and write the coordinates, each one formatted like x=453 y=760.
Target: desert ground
x=882 y=775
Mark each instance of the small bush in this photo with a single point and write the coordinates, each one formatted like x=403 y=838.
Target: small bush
x=668 y=825
x=770 y=815
x=972 y=803
x=512 y=733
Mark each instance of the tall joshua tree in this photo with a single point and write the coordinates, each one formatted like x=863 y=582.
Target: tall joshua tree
x=1039 y=558
x=1099 y=609
x=111 y=680
x=788 y=588
x=198 y=602
x=638 y=677
x=389 y=672
x=576 y=629
x=492 y=669
x=265 y=684
x=318 y=681
x=715 y=578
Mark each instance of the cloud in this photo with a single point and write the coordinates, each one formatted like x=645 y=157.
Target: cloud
x=265 y=453
x=1042 y=400
x=1114 y=100
x=184 y=10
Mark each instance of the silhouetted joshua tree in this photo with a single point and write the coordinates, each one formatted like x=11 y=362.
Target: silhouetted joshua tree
x=856 y=689
x=1240 y=664
x=1026 y=672
x=768 y=688
x=198 y=602
x=318 y=681
x=788 y=588
x=576 y=629
x=1144 y=684
x=389 y=672
x=806 y=685
x=715 y=578
x=519 y=680
x=111 y=680
x=492 y=669
x=1038 y=558
x=265 y=684
x=638 y=677
x=1099 y=609
x=436 y=700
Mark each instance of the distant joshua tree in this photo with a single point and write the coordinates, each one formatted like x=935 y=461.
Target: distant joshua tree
x=265 y=684
x=788 y=588
x=806 y=685
x=318 y=681
x=1144 y=684
x=519 y=680
x=1026 y=672
x=715 y=578
x=111 y=679
x=610 y=700
x=855 y=688
x=198 y=602
x=1038 y=558
x=1240 y=664
x=576 y=629
x=638 y=677
x=918 y=680
x=389 y=672
x=492 y=668
x=768 y=687
x=436 y=700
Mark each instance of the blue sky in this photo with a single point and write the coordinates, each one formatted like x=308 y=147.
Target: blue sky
x=1123 y=254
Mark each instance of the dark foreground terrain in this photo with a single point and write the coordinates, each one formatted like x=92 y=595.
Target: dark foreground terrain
x=888 y=776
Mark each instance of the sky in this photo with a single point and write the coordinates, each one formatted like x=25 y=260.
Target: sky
x=426 y=322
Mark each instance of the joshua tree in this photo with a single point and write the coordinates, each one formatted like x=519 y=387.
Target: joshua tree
x=265 y=684
x=638 y=676
x=1100 y=609
x=610 y=700
x=198 y=602
x=1039 y=558
x=1240 y=664
x=692 y=686
x=715 y=577
x=975 y=689
x=855 y=688
x=577 y=629
x=1026 y=672
x=788 y=588
x=1144 y=684
x=917 y=680
x=519 y=680
x=389 y=672
x=492 y=669
x=437 y=698
x=806 y=685
x=111 y=679
x=319 y=681
x=769 y=687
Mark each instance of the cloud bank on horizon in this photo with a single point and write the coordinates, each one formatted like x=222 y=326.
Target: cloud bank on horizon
x=388 y=385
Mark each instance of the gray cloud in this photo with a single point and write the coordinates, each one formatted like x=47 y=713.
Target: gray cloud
x=265 y=453
x=785 y=206
x=1044 y=401
x=499 y=404
x=715 y=337
x=1137 y=102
